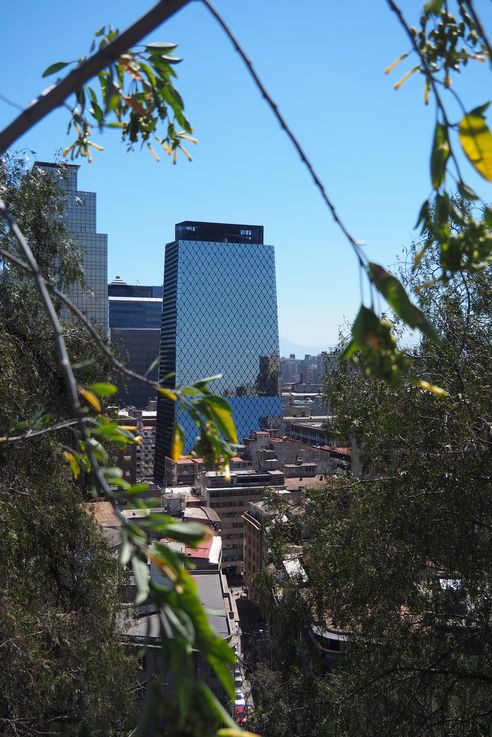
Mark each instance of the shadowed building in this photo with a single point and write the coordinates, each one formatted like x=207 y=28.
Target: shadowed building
x=135 y=324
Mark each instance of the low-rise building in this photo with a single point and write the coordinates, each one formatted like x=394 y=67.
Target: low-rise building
x=230 y=496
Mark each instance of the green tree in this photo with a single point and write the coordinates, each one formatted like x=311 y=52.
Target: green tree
x=60 y=643
x=401 y=551
x=136 y=94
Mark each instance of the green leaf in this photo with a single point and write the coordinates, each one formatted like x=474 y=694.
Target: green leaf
x=433 y=7
x=467 y=192
x=396 y=296
x=135 y=489
x=480 y=109
x=178 y=443
x=190 y=533
x=126 y=547
x=202 y=383
x=209 y=700
x=222 y=414
x=476 y=141
x=440 y=155
x=487 y=216
x=211 y=645
x=159 y=47
x=153 y=365
x=113 y=473
x=55 y=68
x=104 y=390
x=141 y=572
x=171 y=59
x=423 y=217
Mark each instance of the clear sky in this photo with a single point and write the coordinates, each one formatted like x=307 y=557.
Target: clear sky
x=323 y=63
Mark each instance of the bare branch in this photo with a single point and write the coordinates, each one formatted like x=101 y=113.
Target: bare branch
x=85 y=322
x=480 y=28
x=55 y=97
x=35 y=433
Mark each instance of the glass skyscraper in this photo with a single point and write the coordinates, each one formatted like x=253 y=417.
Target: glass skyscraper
x=219 y=317
x=135 y=324
x=80 y=216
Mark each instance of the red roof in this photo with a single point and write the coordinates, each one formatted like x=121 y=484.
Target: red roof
x=202 y=551
x=341 y=451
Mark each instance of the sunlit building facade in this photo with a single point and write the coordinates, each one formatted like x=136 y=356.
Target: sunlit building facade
x=80 y=219
x=219 y=317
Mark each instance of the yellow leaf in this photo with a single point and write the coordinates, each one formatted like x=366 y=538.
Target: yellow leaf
x=178 y=443
x=389 y=69
x=405 y=77
x=167 y=393
x=91 y=398
x=229 y=732
x=476 y=141
x=74 y=465
x=427 y=387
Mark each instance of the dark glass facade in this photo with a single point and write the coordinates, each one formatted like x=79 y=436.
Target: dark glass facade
x=220 y=316
x=135 y=323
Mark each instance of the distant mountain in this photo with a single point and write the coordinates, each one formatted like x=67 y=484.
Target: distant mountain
x=287 y=347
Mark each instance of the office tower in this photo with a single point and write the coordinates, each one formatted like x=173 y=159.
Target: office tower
x=219 y=316
x=80 y=218
x=135 y=325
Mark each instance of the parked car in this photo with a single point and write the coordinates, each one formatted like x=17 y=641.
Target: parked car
x=239 y=700
x=238 y=677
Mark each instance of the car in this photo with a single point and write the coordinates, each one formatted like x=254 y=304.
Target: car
x=239 y=700
x=240 y=711
x=238 y=677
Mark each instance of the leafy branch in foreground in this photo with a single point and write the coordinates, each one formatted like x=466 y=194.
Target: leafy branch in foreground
x=183 y=622
x=136 y=92
x=135 y=95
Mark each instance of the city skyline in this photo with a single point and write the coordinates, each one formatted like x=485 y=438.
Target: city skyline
x=369 y=143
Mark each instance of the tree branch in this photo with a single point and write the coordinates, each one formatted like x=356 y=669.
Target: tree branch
x=480 y=28
x=55 y=96
x=85 y=322
x=284 y=125
x=69 y=377
x=34 y=433
x=397 y=11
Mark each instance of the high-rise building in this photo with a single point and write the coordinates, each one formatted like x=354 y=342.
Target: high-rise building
x=219 y=317
x=80 y=218
x=135 y=324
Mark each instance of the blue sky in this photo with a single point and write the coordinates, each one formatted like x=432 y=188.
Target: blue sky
x=323 y=63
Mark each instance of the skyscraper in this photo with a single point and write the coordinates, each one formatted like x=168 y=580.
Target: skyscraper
x=135 y=324
x=80 y=217
x=219 y=317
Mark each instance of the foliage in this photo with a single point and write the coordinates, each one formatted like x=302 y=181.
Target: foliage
x=59 y=636
x=136 y=95
x=292 y=702
x=38 y=202
x=401 y=553
x=33 y=393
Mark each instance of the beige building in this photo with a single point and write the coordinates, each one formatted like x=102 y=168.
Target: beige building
x=230 y=498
